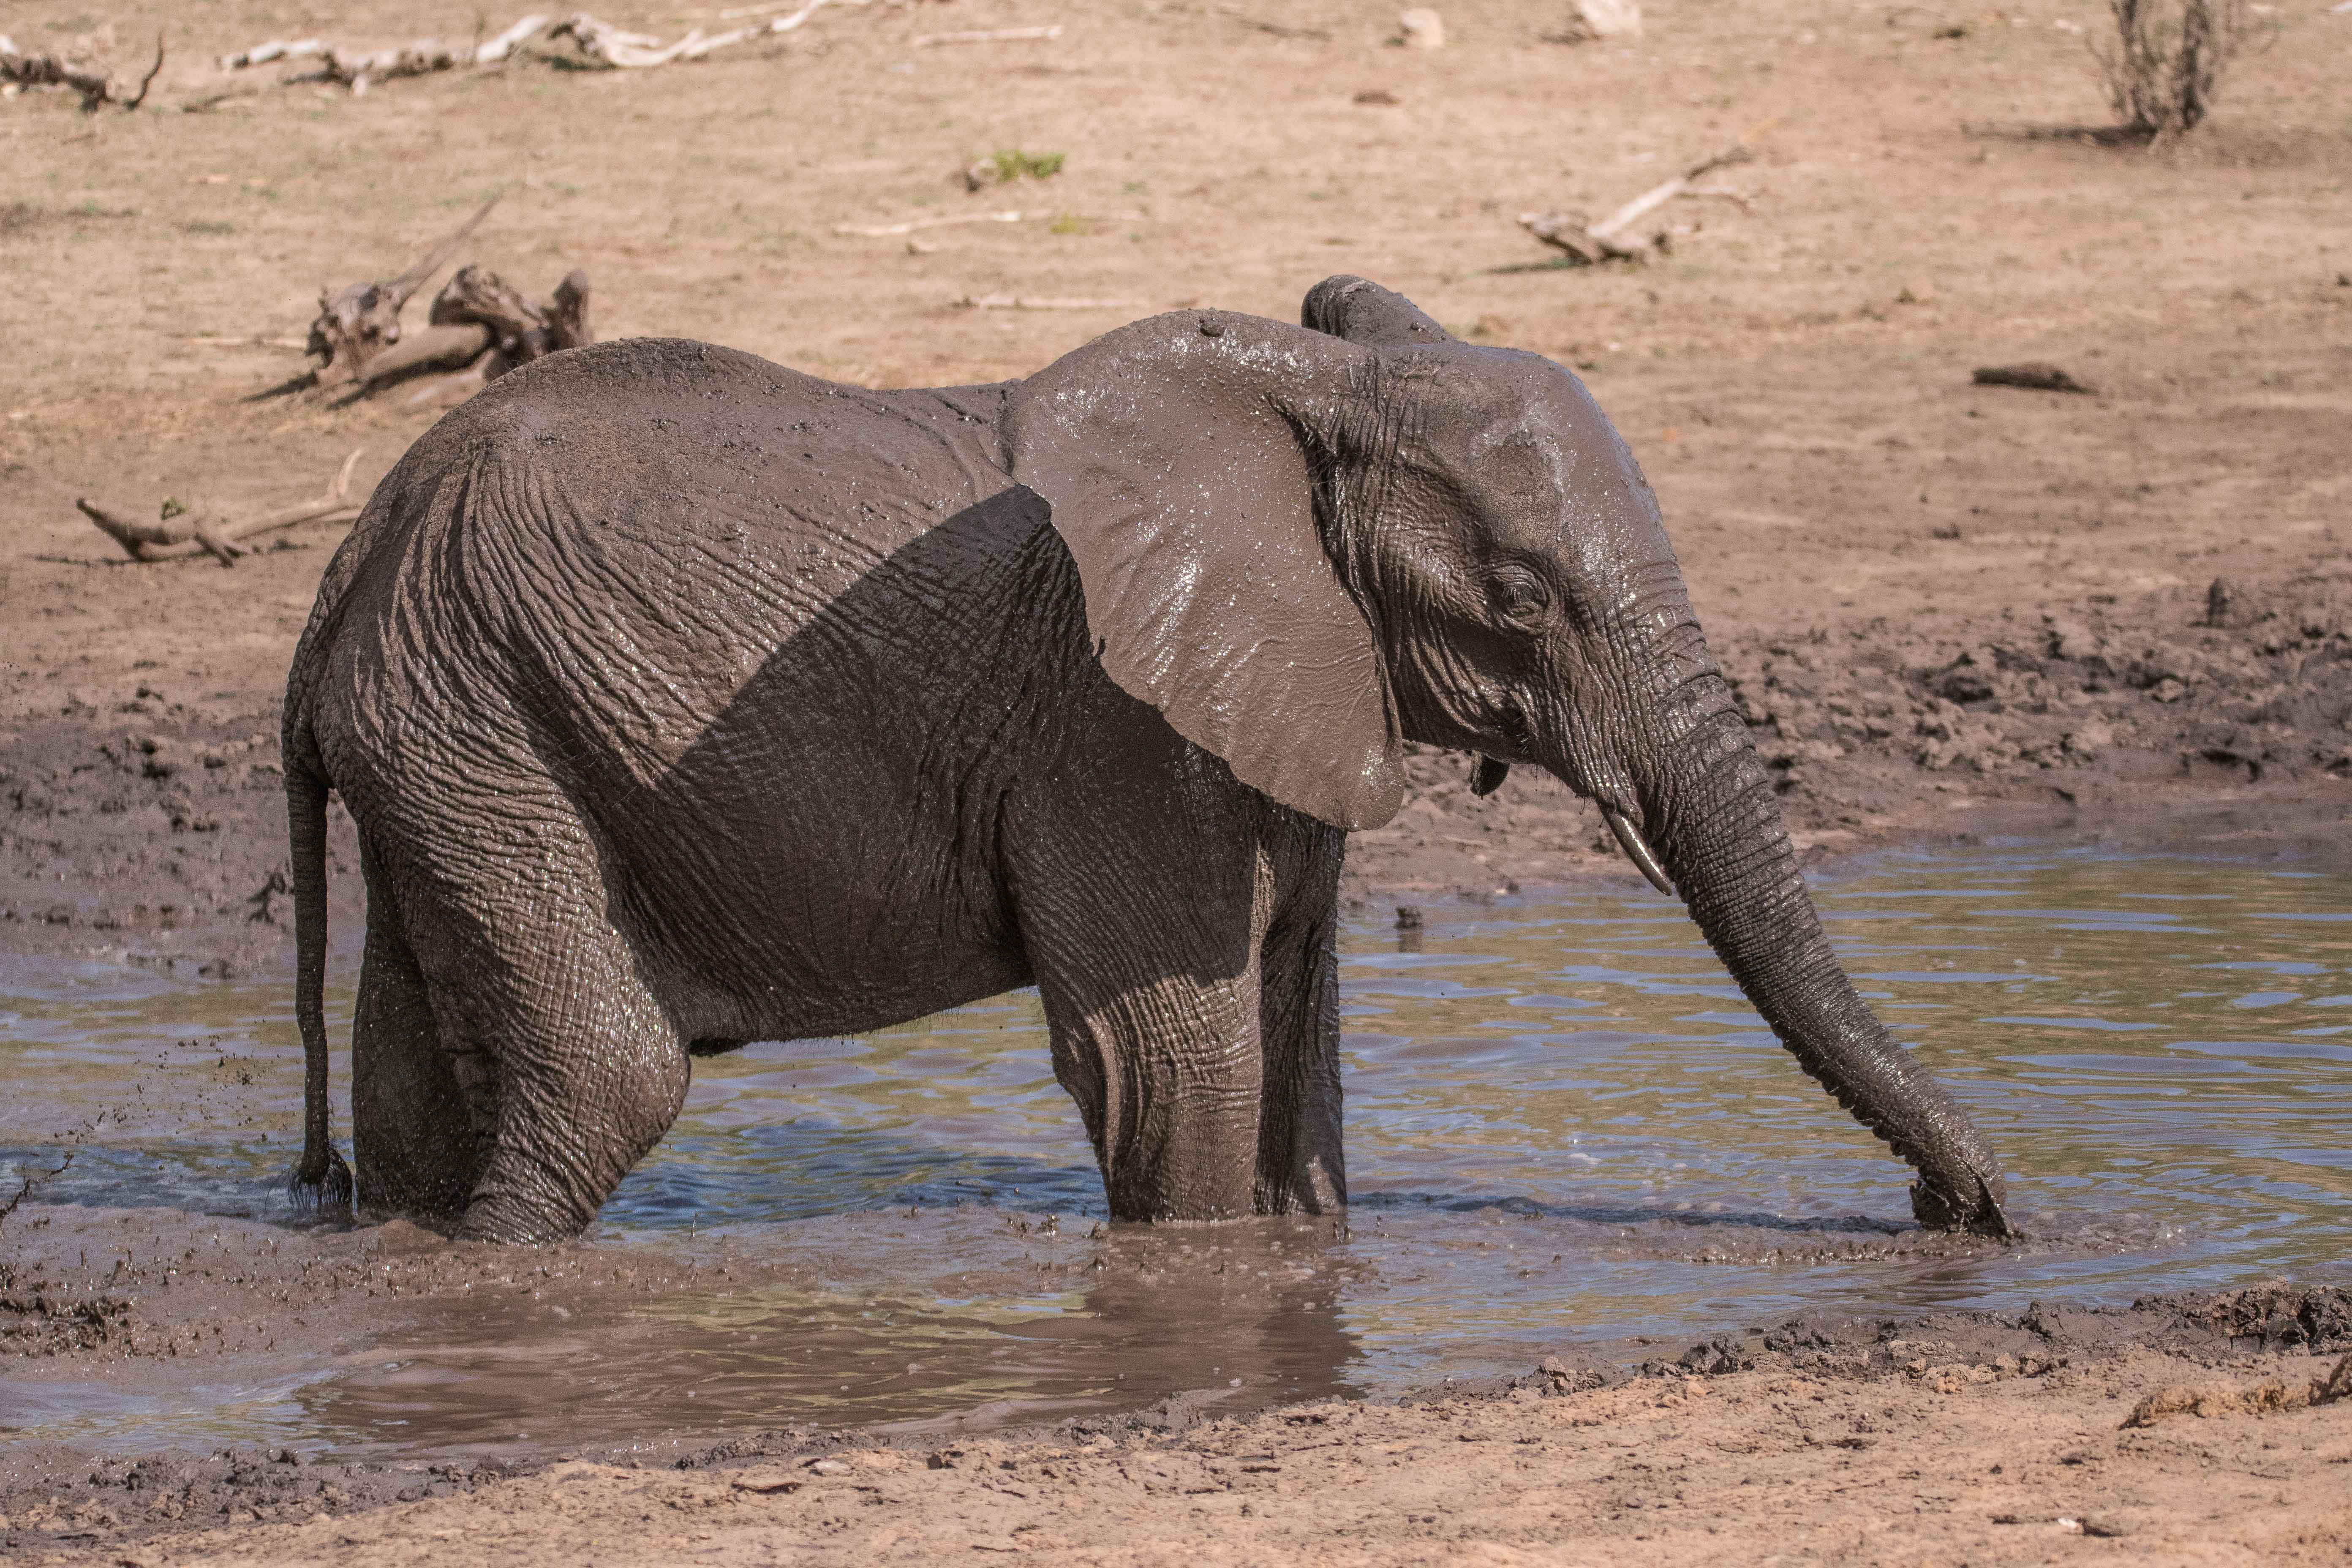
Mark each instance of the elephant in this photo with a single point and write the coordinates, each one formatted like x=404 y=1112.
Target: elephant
x=680 y=699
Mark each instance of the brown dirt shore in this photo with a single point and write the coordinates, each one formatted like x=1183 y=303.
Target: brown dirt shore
x=1949 y=609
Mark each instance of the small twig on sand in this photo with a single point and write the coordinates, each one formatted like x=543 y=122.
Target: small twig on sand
x=224 y=341
x=890 y=230
x=1658 y=195
x=1592 y=244
x=2036 y=376
x=991 y=35
x=1275 y=29
x=884 y=230
x=186 y=534
x=34 y=1179
x=1035 y=302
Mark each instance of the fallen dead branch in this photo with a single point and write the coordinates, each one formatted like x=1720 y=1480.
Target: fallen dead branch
x=601 y=42
x=622 y=50
x=356 y=69
x=96 y=83
x=186 y=533
x=520 y=330
x=991 y=35
x=445 y=347
x=276 y=50
x=1610 y=239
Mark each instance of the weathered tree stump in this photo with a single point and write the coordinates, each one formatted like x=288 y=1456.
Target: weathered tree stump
x=522 y=330
x=358 y=322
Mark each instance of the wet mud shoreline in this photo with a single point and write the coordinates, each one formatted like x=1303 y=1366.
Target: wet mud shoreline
x=2038 y=1416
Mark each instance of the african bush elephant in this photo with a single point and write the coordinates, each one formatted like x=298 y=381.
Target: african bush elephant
x=682 y=700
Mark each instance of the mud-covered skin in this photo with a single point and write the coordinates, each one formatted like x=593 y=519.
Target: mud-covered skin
x=682 y=700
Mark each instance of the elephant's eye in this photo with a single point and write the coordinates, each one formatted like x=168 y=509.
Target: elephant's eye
x=1520 y=599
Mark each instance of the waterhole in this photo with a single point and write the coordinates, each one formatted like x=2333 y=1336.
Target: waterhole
x=1564 y=1124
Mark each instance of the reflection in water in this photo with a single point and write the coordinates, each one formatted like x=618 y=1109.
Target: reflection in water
x=1564 y=1121
x=1111 y=1322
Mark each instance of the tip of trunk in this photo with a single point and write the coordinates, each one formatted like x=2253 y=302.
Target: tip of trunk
x=1979 y=1213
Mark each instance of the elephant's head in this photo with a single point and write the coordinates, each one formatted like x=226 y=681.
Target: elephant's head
x=1304 y=545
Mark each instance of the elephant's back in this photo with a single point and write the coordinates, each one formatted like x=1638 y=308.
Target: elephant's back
x=640 y=528
x=683 y=445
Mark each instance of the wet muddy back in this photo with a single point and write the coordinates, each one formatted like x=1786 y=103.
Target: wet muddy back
x=1564 y=1125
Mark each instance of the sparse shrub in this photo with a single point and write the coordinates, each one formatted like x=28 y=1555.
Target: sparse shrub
x=1013 y=163
x=1007 y=165
x=2165 y=64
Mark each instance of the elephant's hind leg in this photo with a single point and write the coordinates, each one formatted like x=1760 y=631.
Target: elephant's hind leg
x=420 y=1140
x=535 y=988
x=591 y=1074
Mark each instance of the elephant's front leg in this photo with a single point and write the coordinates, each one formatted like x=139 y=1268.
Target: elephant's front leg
x=1144 y=930
x=1166 y=1072
x=1300 y=1165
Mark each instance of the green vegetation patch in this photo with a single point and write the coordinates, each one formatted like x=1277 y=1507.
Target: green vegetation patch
x=1012 y=163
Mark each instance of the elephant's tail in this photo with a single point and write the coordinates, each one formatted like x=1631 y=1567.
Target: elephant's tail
x=322 y=1183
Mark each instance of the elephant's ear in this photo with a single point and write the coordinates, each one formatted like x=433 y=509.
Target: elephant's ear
x=1175 y=456
x=1363 y=312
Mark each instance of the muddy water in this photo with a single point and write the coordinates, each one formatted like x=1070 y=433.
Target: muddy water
x=1564 y=1125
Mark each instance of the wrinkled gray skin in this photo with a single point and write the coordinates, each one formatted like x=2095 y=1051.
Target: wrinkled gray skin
x=683 y=700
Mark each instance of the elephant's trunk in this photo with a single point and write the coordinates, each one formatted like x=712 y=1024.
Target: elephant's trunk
x=1709 y=811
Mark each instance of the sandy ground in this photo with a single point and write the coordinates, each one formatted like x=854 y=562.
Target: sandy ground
x=1977 y=1463
x=1949 y=609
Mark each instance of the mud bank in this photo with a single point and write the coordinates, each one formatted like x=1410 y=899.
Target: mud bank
x=1954 y=1435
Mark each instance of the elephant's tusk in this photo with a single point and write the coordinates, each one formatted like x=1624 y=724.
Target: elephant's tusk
x=1629 y=838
